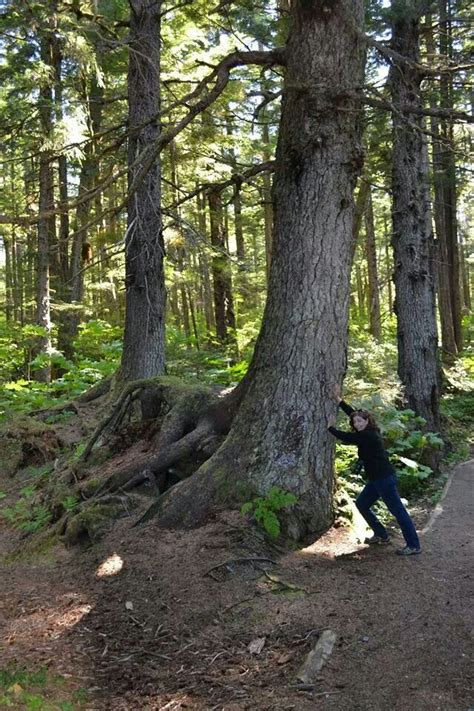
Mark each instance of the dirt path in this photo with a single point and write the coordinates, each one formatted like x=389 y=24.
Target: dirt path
x=160 y=633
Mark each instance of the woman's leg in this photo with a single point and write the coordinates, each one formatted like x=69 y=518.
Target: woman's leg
x=367 y=497
x=388 y=492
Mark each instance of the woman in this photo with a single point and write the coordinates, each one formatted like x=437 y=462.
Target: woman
x=382 y=482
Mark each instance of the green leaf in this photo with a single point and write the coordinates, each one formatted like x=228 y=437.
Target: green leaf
x=248 y=506
x=410 y=463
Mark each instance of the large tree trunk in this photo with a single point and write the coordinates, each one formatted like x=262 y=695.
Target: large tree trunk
x=412 y=232
x=144 y=337
x=279 y=434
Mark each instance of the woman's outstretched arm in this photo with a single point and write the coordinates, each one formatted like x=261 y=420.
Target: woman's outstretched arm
x=345 y=437
x=348 y=409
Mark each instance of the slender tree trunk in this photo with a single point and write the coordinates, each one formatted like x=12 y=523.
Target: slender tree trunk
x=18 y=294
x=8 y=280
x=181 y=251
x=192 y=312
x=372 y=273
x=30 y=174
x=81 y=247
x=359 y=210
x=223 y=300
x=31 y=247
x=279 y=434
x=15 y=291
x=412 y=232
x=448 y=174
x=239 y=231
x=388 y=263
x=267 y=200
x=63 y=242
x=204 y=269
x=388 y=276
x=360 y=292
x=443 y=273
x=174 y=306
x=46 y=225
x=184 y=295
x=144 y=337
x=465 y=279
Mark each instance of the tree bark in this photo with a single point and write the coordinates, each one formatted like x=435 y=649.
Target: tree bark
x=443 y=268
x=467 y=303
x=267 y=200
x=8 y=279
x=279 y=434
x=412 y=237
x=46 y=225
x=360 y=293
x=204 y=269
x=144 y=336
x=63 y=241
x=447 y=177
x=388 y=263
x=372 y=273
x=221 y=272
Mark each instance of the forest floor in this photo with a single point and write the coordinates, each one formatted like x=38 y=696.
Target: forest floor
x=148 y=619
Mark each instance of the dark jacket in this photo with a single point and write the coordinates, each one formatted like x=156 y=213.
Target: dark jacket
x=369 y=447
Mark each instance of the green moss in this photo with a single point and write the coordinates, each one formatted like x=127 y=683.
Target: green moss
x=25 y=425
x=11 y=454
x=229 y=489
x=19 y=432
x=89 y=488
x=91 y=523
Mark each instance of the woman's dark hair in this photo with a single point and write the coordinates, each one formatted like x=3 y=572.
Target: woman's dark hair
x=372 y=425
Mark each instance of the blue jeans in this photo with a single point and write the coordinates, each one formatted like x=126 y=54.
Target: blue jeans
x=386 y=489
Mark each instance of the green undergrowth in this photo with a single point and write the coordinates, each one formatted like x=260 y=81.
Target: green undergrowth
x=97 y=350
x=40 y=690
x=28 y=513
x=458 y=412
x=43 y=545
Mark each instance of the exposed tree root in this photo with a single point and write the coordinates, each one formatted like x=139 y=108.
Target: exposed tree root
x=190 y=422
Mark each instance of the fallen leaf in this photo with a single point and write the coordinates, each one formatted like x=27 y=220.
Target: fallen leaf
x=16 y=689
x=256 y=645
x=129 y=605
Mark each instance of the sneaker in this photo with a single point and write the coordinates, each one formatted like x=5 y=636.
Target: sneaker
x=408 y=551
x=376 y=540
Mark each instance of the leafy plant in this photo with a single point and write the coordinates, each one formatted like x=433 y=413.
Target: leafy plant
x=26 y=517
x=32 y=690
x=70 y=503
x=26 y=514
x=265 y=509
